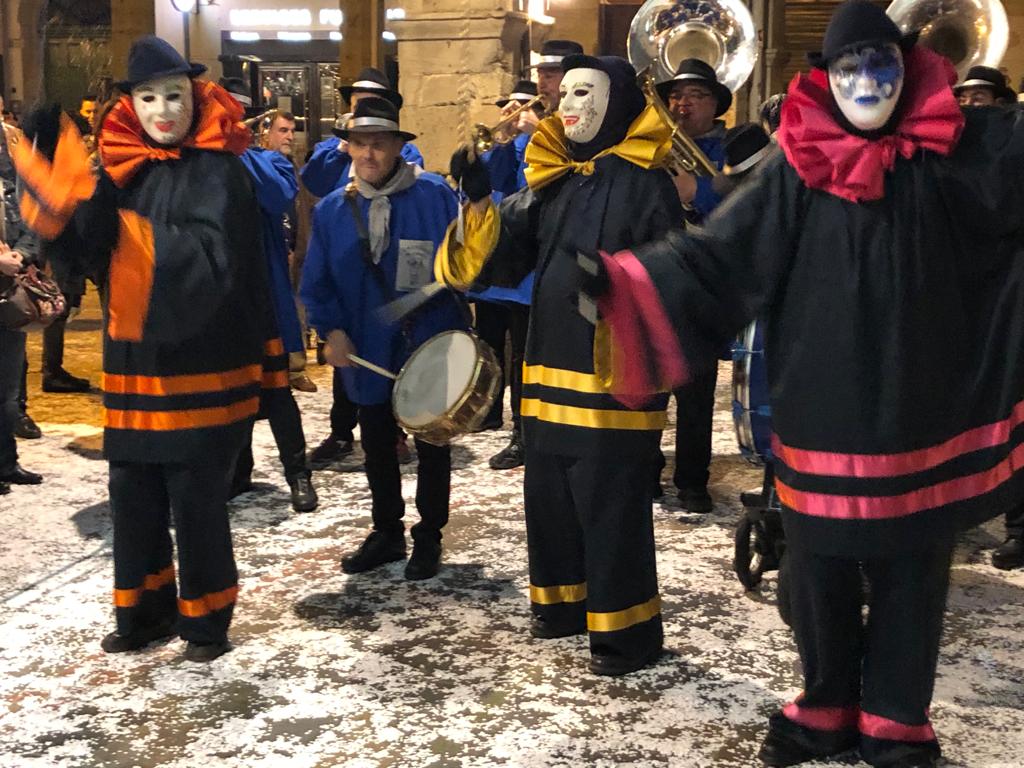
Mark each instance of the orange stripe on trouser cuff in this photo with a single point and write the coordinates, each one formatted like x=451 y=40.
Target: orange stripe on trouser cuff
x=561 y=593
x=275 y=379
x=273 y=347
x=165 y=421
x=188 y=384
x=616 y=620
x=39 y=219
x=129 y=598
x=131 y=278
x=63 y=184
x=207 y=604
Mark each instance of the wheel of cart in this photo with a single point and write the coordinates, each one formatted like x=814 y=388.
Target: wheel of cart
x=760 y=541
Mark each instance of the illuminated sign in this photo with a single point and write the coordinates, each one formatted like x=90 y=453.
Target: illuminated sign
x=284 y=17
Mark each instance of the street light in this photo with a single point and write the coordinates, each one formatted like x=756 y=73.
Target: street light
x=185 y=7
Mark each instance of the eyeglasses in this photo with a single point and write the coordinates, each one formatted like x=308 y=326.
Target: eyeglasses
x=690 y=94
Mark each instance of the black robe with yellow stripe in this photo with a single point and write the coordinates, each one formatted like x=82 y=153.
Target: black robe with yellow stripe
x=608 y=203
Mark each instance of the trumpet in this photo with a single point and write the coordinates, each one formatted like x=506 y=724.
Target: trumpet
x=484 y=138
x=270 y=113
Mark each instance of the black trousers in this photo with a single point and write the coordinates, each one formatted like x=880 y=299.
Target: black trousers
x=695 y=407
x=493 y=322
x=53 y=346
x=877 y=675
x=278 y=406
x=379 y=433
x=12 y=356
x=1015 y=522
x=590 y=536
x=344 y=413
x=143 y=497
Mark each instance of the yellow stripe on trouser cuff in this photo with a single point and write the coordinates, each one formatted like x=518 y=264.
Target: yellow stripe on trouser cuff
x=616 y=620
x=562 y=593
x=594 y=418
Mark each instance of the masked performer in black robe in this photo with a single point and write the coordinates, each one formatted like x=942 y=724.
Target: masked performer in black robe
x=593 y=182
x=170 y=227
x=883 y=247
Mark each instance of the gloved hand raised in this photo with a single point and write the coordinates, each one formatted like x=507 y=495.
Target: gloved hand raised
x=469 y=171
x=42 y=126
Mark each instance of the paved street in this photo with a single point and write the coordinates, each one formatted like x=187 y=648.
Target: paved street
x=369 y=671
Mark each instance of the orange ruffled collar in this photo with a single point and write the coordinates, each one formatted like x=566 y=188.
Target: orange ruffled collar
x=122 y=142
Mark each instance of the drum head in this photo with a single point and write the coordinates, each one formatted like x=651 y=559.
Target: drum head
x=435 y=379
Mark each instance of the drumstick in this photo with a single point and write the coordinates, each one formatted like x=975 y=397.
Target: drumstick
x=372 y=367
x=393 y=311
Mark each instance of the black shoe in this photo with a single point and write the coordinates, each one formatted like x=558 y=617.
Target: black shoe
x=330 y=450
x=140 y=638
x=204 y=652
x=543 y=629
x=21 y=476
x=60 y=381
x=425 y=561
x=696 y=499
x=303 y=493
x=26 y=428
x=920 y=760
x=1009 y=554
x=239 y=487
x=511 y=456
x=4 y=488
x=788 y=743
x=375 y=551
x=602 y=664
x=489 y=426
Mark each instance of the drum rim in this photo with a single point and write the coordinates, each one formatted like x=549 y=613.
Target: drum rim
x=467 y=392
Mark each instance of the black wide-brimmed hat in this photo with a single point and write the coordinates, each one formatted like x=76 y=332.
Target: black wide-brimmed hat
x=857 y=23
x=744 y=146
x=150 y=58
x=236 y=87
x=553 y=51
x=373 y=81
x=523 y=92
x=699 y=72
x=374 y=114
x=987 y=77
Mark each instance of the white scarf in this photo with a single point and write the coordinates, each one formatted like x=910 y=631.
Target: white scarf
x=380 y=206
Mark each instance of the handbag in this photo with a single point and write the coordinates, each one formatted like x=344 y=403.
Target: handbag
x=31 y=302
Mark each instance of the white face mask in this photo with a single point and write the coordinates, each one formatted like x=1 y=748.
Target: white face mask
x=584 y=103
x=867 y=84
x=164 y=107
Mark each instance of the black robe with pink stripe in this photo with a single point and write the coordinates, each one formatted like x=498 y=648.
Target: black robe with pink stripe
x=894 y=336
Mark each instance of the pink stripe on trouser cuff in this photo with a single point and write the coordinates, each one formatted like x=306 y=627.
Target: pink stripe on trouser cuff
x=878 y=727
x=823 y=718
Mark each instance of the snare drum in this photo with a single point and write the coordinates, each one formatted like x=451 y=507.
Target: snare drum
x=447 y=387
x=751 y=412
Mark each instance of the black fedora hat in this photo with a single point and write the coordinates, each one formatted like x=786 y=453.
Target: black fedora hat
x=856 y=23
x=987 y=77
x=150 y=58
x=744 y=146
x=699 y=72
x=523 y=92
x=553 y=51
x=374 y=114
x=371 y=80
x=236 y=87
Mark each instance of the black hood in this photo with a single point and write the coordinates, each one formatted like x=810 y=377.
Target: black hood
x=625 y=102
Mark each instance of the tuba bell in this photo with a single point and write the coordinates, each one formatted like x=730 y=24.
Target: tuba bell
x=665 y=32
x=967 y=32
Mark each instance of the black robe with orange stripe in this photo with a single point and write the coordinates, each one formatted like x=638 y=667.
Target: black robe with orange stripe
x=186 y=311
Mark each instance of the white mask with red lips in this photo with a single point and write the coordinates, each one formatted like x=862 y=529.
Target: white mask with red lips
x=584 y=103
x=164 y=108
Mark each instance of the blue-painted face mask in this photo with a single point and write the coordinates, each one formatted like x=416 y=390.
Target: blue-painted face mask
x=866 y=84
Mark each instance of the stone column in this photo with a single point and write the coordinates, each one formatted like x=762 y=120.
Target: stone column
x=456 y=58
x=23 y=52
x=362 y=28
x=129 y=19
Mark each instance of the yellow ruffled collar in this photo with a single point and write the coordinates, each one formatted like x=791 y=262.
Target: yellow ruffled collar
x=646 y=144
